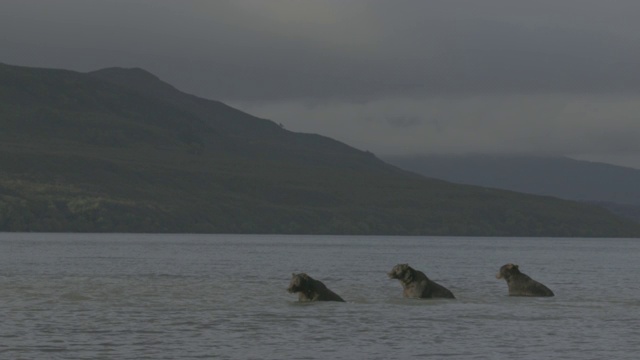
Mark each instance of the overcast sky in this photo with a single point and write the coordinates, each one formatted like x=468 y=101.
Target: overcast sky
x=553 y=77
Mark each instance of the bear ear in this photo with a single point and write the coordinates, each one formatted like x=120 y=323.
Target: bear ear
x=515 y=266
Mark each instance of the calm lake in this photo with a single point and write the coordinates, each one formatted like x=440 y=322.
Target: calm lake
x=131 y=296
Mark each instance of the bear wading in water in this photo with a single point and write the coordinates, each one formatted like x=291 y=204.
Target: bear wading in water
x=309 y=289
x=417 y=285
x=520 y=284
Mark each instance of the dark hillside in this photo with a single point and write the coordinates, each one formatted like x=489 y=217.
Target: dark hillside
x=120 y=151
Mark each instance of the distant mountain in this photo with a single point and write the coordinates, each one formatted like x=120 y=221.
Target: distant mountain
x=614 y=187
x=118 y=150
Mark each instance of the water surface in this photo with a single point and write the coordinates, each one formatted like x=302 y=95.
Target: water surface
x=126 y=296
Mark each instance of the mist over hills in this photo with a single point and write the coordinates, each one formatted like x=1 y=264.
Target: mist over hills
x=613 y=187
x=118 y=150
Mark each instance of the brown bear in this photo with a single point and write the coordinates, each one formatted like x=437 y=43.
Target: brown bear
x=417 y=285
x=520 y=284
x=309 y=289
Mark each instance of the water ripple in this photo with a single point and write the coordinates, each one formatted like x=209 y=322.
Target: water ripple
x=205 y=297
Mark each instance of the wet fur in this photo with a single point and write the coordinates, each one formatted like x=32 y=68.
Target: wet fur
x=417 y=285
x=520 y=284
x=309 y=289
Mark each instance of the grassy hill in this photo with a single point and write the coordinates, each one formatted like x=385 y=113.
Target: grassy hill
x=118 y=150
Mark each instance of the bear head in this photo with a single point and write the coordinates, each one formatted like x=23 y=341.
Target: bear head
x=507 y=270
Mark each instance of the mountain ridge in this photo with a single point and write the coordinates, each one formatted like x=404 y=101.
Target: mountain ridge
x=84 y=153
x=613 y=187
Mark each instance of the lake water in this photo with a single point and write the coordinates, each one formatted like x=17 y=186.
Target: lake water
x=126 y=296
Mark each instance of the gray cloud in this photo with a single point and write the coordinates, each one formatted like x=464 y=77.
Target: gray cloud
x=403 y=121
x=583 y=126
x=555 y=76
x=338 y=49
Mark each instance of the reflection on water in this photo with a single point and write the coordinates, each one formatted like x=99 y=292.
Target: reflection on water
x=125 y=296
